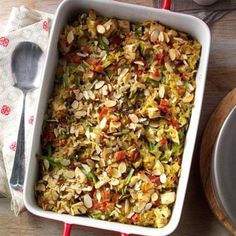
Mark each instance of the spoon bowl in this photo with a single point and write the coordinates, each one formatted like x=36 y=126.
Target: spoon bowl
x=25 y=65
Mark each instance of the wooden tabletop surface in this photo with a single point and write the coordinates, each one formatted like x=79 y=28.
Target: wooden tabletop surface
x=197 y=219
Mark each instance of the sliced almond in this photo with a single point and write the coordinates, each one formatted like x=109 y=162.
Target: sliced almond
x=88 y=201
x=69 y=174
x=72 y=129
x=109 y=88
x=130 y=48
x=168 y=67
x=163 y=178
x=123 y=72
x=98 y=196
x=115 y=173
x=86 y=167
x=118 y=206
x=132 y=126
x=82 y=55
x=115 y=124
x=133 y=118
x=70 y=37
x=172 y=54
x=75 y=104
x=98 y=149
x=143 y=177
x=87 y=134
x=79 y=96
x=45 y=177
x=65 y=162
x=154 y=36
x=80 y=175
x=102 y=163
x=46 y=164
x=188 y=98
x=185 y=62
x=139 y=63
x=161 y=36
x=179 y=82
x=167 y=39
x=101 y=29
x=100 y=183
x=122 y=167
x=154 y=124
x=190 y=87
x=148 y=206
x=95 y=158
x=146 y=92
x=130 y=215
x=40 y=187
x=86 y=95
x=54 y=195
x=78 y=191
x=161 y=91
x=179 y=39
x=87 y=189
x=91 y=95
x=103 y=123
x=80 y=114
x=108 y=24
x=154 y=197
x=137 y=186
x=56 y=132
x=99 y=84
x=115 y=213
x=104 y=90
x=110 y=103
x=114 y=182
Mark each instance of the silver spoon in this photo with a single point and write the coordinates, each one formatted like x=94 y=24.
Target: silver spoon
x=24 y=64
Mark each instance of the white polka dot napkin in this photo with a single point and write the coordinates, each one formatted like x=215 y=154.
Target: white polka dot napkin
x=24 y=25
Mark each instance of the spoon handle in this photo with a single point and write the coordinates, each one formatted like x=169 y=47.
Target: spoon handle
x=18 y=170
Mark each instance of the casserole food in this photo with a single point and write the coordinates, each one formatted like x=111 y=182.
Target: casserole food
x=115 y=127
x=172 y=20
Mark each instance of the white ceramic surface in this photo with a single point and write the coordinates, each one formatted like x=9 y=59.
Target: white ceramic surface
x=195 y=27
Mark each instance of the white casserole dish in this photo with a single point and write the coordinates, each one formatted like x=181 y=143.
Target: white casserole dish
x=189 y=24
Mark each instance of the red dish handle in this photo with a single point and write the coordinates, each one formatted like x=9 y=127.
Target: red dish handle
x=166 y=4
x=66 y=229
x=123 y=234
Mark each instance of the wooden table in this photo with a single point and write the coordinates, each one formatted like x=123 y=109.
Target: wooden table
x=197 y=219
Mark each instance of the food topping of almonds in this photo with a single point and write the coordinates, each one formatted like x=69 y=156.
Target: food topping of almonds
x=114 y=132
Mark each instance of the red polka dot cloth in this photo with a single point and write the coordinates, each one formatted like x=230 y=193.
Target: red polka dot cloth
x=24 y=25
